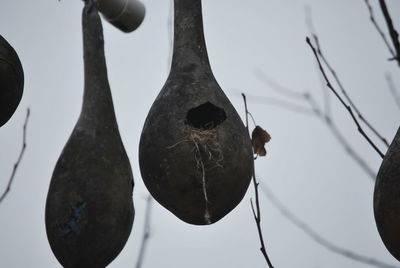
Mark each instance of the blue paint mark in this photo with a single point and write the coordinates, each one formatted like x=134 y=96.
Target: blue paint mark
x=72 y=225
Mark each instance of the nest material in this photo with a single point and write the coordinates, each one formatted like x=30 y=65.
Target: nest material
x=207 y=154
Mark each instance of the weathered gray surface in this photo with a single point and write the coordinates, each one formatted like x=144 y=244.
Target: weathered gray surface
x=11 y=81
x=89 y=208
x=174 y=154
x=387 y=198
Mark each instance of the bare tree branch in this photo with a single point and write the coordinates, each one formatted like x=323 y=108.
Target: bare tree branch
x=348 y=108
x=392 y=31
x=278 y=87
x=10 y=181
x=393 y=89
x=256 y=212
x=323 y=115
x=378 y=29
x=310 y=26
x=344 y=92
x=317 y=237
x=340 y=137
x=311 y=29
x=146 y=232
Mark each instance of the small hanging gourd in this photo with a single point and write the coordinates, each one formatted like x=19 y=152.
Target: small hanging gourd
x=89 y=207
x=195 y=154
x=11 y=81
x=387 y=198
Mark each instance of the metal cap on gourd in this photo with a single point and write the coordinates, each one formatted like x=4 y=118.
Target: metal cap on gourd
x=126 y=15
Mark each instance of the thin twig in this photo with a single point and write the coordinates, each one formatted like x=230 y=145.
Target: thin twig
x=344 y=92
x=317 y=237
x=326 y=115
x=392 y=31
x=256 y=212
x=326 y=118
x=378 y=29
x=146 y=232
x=10 y=181
x=246 y=112
x=393 y=89
x=348 y=108
x=311 y=29
x=276 y=86
x=252 y=119
x=323 y=115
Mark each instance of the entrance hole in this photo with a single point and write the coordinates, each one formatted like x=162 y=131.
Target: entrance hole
x=205 y=116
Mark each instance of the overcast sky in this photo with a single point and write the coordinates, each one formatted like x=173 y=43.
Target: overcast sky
x=305 y=166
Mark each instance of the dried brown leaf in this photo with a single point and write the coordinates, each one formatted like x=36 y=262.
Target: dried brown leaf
x=259 y=137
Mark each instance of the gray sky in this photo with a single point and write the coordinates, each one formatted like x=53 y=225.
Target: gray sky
x=305 y=166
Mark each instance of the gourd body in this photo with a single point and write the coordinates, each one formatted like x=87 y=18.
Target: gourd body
x=387 y=198
x=89 y=207
x=195 y=153
x=11 y=81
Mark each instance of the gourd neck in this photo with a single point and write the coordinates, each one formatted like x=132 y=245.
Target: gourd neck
x=97 y=100
x=189 y=44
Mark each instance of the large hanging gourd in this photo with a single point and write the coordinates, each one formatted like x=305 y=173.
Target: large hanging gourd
x=89 y=207
x=11 y=81
x=195 y=154
x=387 y=198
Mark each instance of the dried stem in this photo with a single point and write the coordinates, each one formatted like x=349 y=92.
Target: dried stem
x=256 y=211
x=146 y=232
x=317 y=237
x=10 y=181
x=392 y=31
x=348 y=108
x=378 y=29
x=246 y=112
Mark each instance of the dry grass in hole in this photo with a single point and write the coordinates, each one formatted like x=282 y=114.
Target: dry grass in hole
x=207 y=141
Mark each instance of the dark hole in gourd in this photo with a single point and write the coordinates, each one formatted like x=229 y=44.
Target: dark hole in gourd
x=205 y=117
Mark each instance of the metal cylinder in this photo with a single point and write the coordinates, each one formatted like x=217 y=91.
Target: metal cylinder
x=126 y=15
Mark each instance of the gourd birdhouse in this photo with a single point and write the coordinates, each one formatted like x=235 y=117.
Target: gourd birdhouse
x=89 y=207
x=195 y=154
x=11 y=81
